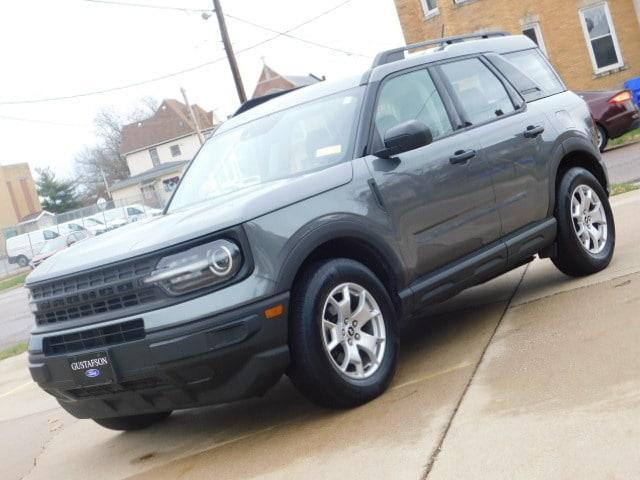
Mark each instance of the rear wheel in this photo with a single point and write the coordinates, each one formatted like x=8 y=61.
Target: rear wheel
x=586 y=227
x=342 y=335
x=603 y=138
x=22 y=261
x=132 y=422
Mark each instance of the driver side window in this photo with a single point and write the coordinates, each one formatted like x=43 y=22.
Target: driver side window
x=412 y=96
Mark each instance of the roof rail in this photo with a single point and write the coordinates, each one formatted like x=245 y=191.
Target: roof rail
x=398 y=53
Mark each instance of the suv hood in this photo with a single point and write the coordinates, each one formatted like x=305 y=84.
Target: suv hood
x=156 y=233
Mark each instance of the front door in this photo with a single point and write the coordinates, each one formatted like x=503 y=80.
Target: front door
x=440 y=196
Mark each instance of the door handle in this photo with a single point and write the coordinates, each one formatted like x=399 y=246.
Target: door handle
x=533 y=132
x=462 y=156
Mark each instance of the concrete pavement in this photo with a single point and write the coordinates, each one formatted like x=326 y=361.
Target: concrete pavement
x=532 y=375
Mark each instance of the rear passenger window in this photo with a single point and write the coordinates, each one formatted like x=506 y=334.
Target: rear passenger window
x=482 y=95
x=535 y=66
x=412 y=96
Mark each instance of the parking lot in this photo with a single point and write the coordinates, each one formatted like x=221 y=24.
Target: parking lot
x=532 y=375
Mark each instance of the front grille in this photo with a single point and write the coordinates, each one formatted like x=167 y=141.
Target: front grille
x=94 y=338
x=117 y=288
x=102 y=390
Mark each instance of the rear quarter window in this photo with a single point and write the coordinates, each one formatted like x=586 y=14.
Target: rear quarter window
x=541 y=79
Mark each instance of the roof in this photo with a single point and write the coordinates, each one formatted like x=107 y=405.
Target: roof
x=151 y=174
x=34 y=217
x=170 y=121
x=271 y=81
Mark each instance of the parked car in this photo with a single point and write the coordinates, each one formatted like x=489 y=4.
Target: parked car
x=119 y=216
x=614 y=112
x=95 y=226
x=57 y=244
x=311 y=226
x=22 y=248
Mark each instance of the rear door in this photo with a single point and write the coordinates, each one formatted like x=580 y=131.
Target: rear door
x=440 y=196
x=510 y=135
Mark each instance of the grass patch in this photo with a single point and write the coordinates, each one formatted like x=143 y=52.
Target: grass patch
x=618 y=188
x=629 y=137
x=13 y=351
x=13 y=281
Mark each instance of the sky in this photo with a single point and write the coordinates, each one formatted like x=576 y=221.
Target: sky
x=69 y=47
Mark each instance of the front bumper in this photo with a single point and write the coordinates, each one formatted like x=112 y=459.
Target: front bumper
x=225 y=357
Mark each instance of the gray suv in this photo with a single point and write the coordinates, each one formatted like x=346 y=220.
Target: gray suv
x=314 y=223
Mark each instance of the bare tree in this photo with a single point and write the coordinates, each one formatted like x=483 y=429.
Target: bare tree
x=104 y=157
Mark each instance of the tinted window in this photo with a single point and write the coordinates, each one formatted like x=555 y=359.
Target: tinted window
x=412 y=96
x=480 y=92
x=48 y=234
x=532 y=64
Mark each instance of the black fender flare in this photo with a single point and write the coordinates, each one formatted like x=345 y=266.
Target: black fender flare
x=573 y=144
x=303 y=244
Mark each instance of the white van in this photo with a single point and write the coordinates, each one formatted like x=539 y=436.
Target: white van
x=22 y=248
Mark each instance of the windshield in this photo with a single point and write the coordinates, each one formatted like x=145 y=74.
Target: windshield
x=92 y=222
x=291 y=142
x=51 y=246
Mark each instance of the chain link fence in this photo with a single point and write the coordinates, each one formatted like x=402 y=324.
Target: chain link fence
x=19 y=244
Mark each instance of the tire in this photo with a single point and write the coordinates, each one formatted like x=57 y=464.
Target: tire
x=315 y=368
x=132 y=422
x=584 y=255
x=603 y=138
x=22 y=261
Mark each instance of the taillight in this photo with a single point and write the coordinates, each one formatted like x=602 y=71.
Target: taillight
x=622 y=97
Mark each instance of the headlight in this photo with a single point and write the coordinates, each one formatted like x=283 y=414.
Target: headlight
x=199 y=267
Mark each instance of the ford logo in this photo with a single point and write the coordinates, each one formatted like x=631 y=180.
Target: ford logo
x=92 y=373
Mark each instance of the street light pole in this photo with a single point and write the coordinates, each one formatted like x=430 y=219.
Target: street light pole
x=229 y=49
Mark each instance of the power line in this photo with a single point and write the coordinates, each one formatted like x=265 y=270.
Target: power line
x=173 y=74
x=45 y=122
x=155 y=7
x=293 y=37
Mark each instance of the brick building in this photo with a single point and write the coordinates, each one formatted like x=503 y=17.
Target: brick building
x=18 y=196
x=595 y=44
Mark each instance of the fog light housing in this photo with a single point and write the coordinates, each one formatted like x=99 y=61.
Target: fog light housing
x=198 y=267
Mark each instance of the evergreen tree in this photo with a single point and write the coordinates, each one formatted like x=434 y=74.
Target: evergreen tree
x=57 y=196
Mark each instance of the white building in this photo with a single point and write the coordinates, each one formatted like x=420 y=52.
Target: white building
x=157 y=150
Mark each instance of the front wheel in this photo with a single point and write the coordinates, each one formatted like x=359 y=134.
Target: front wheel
x=132 y=422
x=23 y=261
x=343 y=338
x=586 y=227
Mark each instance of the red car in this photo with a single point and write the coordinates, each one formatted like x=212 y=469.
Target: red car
x=614 y=112
x=53 y=246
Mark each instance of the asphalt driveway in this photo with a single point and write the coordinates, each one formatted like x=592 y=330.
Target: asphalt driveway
x=532 y=375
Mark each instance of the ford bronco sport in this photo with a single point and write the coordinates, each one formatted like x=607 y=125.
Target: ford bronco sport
x=314 y=222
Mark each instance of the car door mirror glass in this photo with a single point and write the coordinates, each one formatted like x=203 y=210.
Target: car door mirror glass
x=405 y=137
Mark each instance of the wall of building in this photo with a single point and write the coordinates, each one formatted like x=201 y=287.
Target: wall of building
x=18 y=195
x=560 y=24
x=124 y=195
x=140 y=162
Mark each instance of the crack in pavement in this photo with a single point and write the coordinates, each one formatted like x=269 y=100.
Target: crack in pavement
x=438 y=449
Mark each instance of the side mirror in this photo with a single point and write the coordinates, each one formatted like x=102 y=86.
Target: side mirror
x=70 y=240
x=404 y=137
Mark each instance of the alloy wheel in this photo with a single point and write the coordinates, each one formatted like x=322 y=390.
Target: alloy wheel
x=589 y=219
x=353 y=331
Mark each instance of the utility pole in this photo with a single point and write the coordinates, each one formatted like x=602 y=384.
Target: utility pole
x=194 y=119
x=229 y=49
x=106 y=184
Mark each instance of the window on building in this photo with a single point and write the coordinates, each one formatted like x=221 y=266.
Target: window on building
x=601 y=38
x=175 y=150
x=534 y=32
x=412 y=96
x=155 y=159
x=481 y=94
x=430 y=7
x=537 y=68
